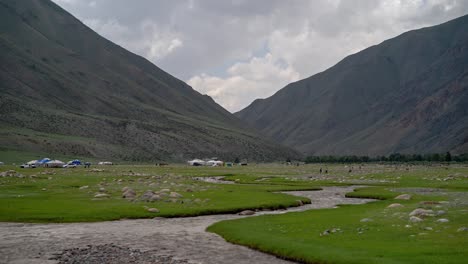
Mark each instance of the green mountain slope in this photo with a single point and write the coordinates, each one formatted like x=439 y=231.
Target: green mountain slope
x=66 y=90
x=408 y=94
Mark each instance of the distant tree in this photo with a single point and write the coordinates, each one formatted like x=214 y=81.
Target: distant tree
x=448 y=157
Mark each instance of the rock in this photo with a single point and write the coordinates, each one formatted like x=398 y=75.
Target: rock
x=395 y=205
x=365 y=220
x=189 y=190
x=299 y=202
x=440 y=212
x=129 y=194
x=101 y=195
x=11 y=173
x=325 y=233
x=247 y=212
x=44 y=189
x=415 y=219
x=84 y=187
x=407 y=226
x=153 y=210
x=124 y=189
x=442 y=220
x=102 y=189
x=462 y=229
x=154 y=198
x=428 y=228
x=146 y=196
x=403 y=197
x=165 y=190
x=421 y=212
x=175 y=195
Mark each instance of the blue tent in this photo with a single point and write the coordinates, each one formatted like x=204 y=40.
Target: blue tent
x=44 y=160
x=76 y=162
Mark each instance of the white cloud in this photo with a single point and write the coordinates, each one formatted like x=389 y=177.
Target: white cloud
x=257 y=78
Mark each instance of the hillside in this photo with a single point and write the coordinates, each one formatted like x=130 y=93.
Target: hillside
x=408 y=94
x=66 y=90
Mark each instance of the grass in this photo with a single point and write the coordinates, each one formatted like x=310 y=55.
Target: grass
x=57 y=197
x=388 y=238
x=54 y=196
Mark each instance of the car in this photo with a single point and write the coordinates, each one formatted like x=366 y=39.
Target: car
x=69 y=165
x=27 y=166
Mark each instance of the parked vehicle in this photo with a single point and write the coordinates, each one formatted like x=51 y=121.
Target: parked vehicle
x=27 y=166
x=69 y=165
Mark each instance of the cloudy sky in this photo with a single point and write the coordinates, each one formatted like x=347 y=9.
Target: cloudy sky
x=239 y=50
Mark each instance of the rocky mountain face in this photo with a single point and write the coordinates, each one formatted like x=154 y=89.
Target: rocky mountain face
x=408 y=94
x=66 y=90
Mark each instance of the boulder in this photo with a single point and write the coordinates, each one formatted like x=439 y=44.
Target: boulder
x=101 y=195
x=247 y=212
x=462 y=229
x=299 y=202
x=124 y=189
x=395 y=205
x=129 y=194
x=442 y=220
x=146 y=196
x=175 y=195
x=153 y=210
x=84 y=187
x=403 y=197
x=365 y=220
x=155 y=198
x=421 y=212
x=415 y=219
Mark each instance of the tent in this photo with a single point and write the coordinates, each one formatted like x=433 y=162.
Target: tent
x=43 y=161
x=196 y=162
x=214 y=163
x=54 y=164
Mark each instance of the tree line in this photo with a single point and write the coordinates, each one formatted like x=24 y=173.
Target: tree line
x=395 y=157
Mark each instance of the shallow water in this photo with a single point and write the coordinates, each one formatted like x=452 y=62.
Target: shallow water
x=183 y=238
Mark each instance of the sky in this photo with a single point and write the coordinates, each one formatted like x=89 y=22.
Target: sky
x=239 y=50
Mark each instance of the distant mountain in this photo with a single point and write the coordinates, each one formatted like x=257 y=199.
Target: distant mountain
x=66 y=90
x=408 y=94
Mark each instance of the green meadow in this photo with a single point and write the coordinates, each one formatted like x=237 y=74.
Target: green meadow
x=369 y=233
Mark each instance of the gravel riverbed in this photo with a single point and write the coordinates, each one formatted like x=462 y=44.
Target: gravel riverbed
x=159 y=240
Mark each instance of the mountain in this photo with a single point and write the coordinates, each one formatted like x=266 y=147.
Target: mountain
x=408 y=94
x=66 y=90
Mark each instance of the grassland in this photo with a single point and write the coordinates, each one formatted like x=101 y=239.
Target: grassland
x=315 y=236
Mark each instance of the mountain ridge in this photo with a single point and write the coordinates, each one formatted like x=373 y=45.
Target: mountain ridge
x=358 y=105
x=60 y=79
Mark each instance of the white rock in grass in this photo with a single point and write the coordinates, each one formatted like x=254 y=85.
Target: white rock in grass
x=153 y=210
x=421 y=212
x=365 y=220
x=395 y=205
x=442 y=220
x=415 y=219
x=462 y=229
x=101 y=195
x=175 y=195
x=247 y=212
x=84 y=187
x=403 y=197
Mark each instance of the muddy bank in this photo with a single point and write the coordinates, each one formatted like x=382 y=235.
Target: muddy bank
x=182 y=239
